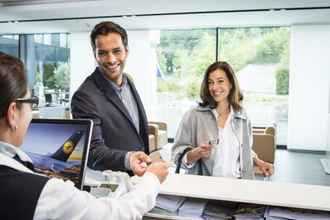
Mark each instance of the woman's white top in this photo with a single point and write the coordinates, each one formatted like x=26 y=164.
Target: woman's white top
x=226 y=153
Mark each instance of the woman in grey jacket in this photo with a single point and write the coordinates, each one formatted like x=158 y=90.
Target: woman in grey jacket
x=215 y=138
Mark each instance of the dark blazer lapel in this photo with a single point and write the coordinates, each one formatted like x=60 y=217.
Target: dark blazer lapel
x=110 y=94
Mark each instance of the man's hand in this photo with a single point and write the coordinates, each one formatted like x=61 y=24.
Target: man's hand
x=160 y=169
x=138 y=162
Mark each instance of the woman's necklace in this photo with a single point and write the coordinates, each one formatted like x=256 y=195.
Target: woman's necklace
x=223 y=115
x=224 y=112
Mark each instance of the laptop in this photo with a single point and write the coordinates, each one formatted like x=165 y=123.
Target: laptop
x=59 y=148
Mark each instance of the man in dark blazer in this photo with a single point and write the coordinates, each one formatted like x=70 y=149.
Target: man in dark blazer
x=108 y=96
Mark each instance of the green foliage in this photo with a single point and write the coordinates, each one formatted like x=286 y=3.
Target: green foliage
x=237 y=45
x=188 y=87
x=57 y=76
x=272 y=46
x=62 y=76
x=193 y=88
x=241 y=46
x=168 y=86
x=284 y=64
x=202 y=56
x=162 y=61
x=38 y=77
x=48 y=78
x=184 y=55
x=282 y=81
x=176 y=48
x=238 y=56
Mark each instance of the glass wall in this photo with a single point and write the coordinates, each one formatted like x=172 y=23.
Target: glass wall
x=259 y=56
x=9 y=44
x=48 y=69
x=46 y=58
x=182 y=57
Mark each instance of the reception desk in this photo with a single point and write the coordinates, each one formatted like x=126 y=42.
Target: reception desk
x=248 y=191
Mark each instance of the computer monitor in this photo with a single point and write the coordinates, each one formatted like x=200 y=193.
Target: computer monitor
x=59 y=148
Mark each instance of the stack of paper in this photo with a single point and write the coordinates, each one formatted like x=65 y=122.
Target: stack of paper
x=169 y=203
x=250 y=212
x=162 y=212
x=276 y=213
x=247 y=216
x=192 y=207
x=219 y=210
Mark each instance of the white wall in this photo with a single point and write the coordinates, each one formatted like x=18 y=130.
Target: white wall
x=141 y=64
x=309 y=87
x=81 y=59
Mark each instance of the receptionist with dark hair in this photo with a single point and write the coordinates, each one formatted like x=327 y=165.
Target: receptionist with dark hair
x=27 y=195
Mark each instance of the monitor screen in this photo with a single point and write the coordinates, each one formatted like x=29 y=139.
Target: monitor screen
x=59 y=148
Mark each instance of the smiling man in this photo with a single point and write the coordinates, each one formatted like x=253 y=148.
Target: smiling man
x=108 y=96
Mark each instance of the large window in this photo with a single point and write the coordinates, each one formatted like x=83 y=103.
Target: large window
x=259 y=56
x=183 y=56
x=46 y=58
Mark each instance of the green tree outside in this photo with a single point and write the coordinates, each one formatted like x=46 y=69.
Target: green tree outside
x=56 y=76
x=282 y=81
x=184 y=55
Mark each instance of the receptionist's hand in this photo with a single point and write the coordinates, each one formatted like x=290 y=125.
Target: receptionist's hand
x=138 y=162
x=203 y=151
x=160 y=169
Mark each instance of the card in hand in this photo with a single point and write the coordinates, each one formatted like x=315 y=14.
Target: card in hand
x=214 y=142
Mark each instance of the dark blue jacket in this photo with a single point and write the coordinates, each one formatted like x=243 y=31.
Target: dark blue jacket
x=114 y=133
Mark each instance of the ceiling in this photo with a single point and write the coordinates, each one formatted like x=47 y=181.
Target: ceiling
x=31 y=16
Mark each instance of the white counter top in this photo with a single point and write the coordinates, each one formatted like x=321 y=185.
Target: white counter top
x=250 y=191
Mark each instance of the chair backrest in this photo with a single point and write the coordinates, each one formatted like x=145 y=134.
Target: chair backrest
x=270 y=130
x=264 y=143
x=160 y=132
x=153 y=133
x=264 y=147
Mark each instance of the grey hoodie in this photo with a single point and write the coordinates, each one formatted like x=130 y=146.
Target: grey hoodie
x=199 y=125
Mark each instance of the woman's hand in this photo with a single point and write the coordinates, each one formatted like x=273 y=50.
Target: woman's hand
x=203 y=151
x=266 y=168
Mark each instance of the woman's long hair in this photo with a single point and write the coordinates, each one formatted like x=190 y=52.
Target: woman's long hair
x=235 y=96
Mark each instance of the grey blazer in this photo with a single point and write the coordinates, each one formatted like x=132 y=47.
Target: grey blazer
x=199 y=125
